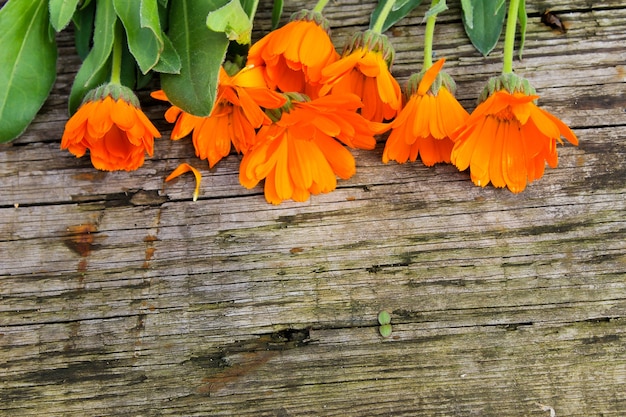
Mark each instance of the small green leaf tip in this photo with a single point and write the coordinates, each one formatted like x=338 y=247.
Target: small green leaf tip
x=384 y=318
x=385 y=330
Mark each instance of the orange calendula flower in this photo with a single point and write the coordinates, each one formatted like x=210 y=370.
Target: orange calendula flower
x=507 y=139
x=364 y=70
x=427 y=120
x=293 y=56
x=112 y=126
x=235 y=116
x=302 y=152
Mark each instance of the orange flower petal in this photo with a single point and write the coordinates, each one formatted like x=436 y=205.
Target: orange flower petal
x=481 y=155
x=429 y=77
x=282 y=179
x=300 y=163
x=183 y=168
x=340 y=159
x=514 y=165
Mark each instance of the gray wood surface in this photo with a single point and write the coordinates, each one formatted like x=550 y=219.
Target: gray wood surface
x=119 y=296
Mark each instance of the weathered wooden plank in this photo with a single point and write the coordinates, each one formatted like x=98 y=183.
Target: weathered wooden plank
x=121 y=296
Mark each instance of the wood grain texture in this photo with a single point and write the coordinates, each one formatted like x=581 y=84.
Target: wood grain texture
x=119 y=296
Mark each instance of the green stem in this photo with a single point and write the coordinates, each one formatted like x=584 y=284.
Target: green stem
x=380 y=21
x=320 y=6
x=116 y=64
x=509 y=37
x=429 y=34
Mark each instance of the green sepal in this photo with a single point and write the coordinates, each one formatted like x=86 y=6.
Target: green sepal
x=399 y=10
x=116 y=91
x=510 y=82
x=488 y=20
x=233 y=20
x=96 y=68
x=442 y=79
x=61 y=13
x=371 y=41
x=202 y=52
x=28 y=55
x=311 y=16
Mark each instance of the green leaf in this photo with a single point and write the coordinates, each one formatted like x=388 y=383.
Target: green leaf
x=523 y=20
x=487 y=25
x=28 y=55
x=149 y=16
x=233 y=21
x=83 y=29
x=277 y=11
x=96 y=67
x=400 y=9
x=61 y=12
x=202 y=52
x=144 y=42
x=468 y=13
x=250 y=6
x=169 y=61
x=499 y=5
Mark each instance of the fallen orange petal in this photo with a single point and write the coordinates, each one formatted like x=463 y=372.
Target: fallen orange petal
x=183 y=168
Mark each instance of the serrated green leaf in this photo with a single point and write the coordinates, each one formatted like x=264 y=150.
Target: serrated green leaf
x=202 y=52
x=487 y=25
x=523 y=20
x=233 y=21
x=96 y=70
x=83 y=29
x=28 y=57
x=143 y=42
x=277 y=11
x=468 y=13
x=61 y=12
x=169 y=61
x=400 y=9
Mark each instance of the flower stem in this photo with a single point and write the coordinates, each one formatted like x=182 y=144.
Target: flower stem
x=429 y=34
x=380 y=21
x=320 y=6
x=116 y=64
x=509 y=37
